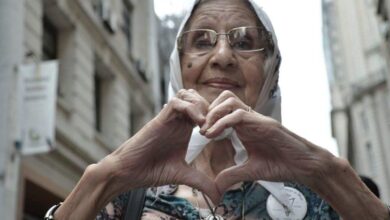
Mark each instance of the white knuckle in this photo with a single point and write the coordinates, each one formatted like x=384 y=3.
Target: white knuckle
x=173 y=100
x=227 y=93
x=180 y=93
x=239 y=112
x=231 y=101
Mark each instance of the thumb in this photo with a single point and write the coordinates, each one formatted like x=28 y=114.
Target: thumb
x=200 y=181
x=231 y=176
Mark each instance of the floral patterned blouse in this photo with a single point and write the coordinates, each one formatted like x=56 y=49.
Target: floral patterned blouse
x=249 y=200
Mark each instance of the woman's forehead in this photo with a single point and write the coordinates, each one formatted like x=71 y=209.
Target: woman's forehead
x=223 y=12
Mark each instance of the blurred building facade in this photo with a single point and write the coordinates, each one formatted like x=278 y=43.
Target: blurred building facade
x=356 y=41
x=108 y=66
x=168 y=28
x=383 y=13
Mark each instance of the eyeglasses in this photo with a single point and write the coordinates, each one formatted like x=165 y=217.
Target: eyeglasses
x=241 y=39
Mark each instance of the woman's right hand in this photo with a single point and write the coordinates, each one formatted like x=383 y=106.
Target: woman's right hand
x=155 y=155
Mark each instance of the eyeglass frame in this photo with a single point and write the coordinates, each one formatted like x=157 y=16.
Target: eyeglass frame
x=180 y=48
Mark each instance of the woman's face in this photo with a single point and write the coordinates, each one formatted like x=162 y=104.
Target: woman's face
x=222 y=68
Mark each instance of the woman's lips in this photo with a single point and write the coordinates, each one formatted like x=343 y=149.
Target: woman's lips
x=221 y=83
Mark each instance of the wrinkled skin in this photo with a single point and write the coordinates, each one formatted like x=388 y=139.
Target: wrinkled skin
x=274 y=153
x=155 y=155
x=220 y=87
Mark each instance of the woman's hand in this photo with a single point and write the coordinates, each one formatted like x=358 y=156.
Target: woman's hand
x=274 y=153
x=155 y=155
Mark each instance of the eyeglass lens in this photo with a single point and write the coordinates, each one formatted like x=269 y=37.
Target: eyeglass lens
x=240 y=39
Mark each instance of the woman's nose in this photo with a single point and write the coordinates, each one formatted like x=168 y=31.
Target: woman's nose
x=222 y=54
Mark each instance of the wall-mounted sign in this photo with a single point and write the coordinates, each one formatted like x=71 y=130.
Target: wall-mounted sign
x=37 y=92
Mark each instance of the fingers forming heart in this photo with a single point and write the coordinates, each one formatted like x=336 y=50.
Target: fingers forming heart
x=226 y=111
x=275 y=153
x=223 y=106
x=221 y=114
x=197 y=179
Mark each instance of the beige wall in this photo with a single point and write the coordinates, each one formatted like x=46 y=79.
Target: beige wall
x=357 y=65
x=84 y=46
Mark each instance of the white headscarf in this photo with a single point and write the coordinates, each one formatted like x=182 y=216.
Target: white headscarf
x=268 y=103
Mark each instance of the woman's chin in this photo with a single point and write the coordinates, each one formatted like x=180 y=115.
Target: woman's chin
x=211 y=94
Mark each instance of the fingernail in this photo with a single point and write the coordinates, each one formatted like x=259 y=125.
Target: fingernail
x=203 y=132
x=209 y=131
x=203 y=128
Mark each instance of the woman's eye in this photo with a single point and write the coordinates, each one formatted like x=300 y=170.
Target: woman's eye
x=201 y=44
x=242 y=44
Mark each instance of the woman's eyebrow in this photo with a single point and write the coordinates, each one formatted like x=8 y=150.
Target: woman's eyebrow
x=236 y=22
x=205 y=16
x=203 y=25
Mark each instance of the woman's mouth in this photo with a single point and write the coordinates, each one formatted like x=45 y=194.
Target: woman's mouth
x=222 y=83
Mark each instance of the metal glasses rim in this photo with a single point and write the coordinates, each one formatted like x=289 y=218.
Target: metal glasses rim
x=240 y=51
x=218 y=34
x=207 y=29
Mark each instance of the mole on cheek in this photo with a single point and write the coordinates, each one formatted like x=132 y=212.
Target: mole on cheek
x=189 y=65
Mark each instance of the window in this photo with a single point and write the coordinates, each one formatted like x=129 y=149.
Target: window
x=98 y=81
x=163 y=89
x=97 y=7
x=49 y=40
x=384 y=19
x=37 y=201
x=136 y=117
x=364 y=121
x=140 y=66
x=57 y=39
x=126 y=28
x=103 y=91
x=381 y=10
x=104 y=9
x=372 y=166
x=132 y=118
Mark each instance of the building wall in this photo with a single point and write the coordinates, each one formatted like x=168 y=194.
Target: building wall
x=358 y=77
x=11 y=20
x=146 y=51
x=383 y=11
x=85 y=47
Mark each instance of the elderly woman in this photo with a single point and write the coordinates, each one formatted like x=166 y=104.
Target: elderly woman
x=217 y=150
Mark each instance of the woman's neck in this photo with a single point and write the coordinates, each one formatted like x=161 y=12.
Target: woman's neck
x=215 y=157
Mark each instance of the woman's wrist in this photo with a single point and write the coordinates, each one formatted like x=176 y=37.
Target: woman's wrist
x=93 y=191
x=342 y=188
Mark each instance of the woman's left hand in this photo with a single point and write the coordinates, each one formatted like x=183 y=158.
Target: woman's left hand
x=274 y=153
